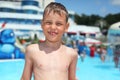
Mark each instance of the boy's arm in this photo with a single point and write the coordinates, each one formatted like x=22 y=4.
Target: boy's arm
x=27 y=72
x=72 y=68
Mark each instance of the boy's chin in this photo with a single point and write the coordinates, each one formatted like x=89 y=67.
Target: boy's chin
x=53 y=40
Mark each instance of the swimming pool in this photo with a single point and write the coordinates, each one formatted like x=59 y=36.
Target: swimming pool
x=90 y=69
x=11 y=69
x=95 y=69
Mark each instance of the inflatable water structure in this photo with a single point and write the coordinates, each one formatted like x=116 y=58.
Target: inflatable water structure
x=8 y=50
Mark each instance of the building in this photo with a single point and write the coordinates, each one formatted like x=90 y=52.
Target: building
x=23 y=16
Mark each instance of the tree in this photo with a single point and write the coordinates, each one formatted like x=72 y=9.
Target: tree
x=112 y=18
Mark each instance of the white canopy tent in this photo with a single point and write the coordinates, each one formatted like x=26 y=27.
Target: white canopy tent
x=87 y=30
x=90 y=41
x=80 y=28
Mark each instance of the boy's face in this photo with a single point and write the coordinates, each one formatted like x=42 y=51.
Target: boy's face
x=54 y=26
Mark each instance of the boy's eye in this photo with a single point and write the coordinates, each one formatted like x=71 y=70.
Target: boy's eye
x=58 y=24
x=48 y=23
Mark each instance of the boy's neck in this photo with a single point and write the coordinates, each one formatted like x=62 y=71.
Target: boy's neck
x=54 y=45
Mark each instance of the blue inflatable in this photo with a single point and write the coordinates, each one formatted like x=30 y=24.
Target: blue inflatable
x=7 y=48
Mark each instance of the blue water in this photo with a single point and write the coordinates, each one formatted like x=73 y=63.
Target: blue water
x=95 y=69
x=11 y=70
x=90 y=69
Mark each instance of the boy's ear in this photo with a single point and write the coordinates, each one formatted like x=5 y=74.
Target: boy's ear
x=67 y=26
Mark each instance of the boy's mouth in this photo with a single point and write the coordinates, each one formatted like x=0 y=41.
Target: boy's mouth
x=52 y=33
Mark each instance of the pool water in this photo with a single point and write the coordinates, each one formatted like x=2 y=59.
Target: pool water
x=11 y=69
x=95 y=69
x=90 y=69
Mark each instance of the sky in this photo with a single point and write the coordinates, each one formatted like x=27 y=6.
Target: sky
x=88 y=7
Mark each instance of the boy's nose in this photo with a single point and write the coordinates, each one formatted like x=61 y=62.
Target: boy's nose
x=53 y=26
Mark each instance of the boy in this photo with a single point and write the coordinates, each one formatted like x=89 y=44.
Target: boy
x=51 y=60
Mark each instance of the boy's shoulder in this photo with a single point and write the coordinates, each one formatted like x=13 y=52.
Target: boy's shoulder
x=32 y=47
x=71 y=51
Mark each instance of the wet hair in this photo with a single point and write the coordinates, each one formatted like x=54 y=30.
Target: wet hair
x=56 y=8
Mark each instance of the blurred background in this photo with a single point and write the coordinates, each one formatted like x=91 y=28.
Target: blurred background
x=94 y=31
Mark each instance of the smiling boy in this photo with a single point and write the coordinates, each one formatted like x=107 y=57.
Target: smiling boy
x=51 y=60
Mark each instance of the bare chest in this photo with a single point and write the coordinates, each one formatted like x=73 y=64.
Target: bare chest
x=52 y=62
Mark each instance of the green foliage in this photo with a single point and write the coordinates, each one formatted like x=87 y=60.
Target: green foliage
x=36 y=40
x=93 y=19
x=86 y=20
x=112 y=18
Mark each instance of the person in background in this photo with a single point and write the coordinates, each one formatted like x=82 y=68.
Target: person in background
x=81 y=50
x=92 y=50
x=103 y=54
x=51 y=60
x=74 y=45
